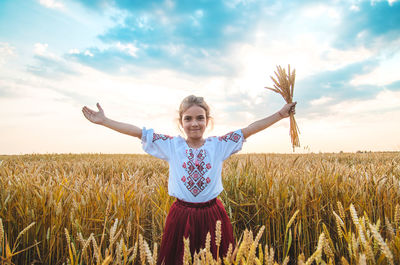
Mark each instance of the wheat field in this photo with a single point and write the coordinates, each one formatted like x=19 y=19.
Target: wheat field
x=285 y=209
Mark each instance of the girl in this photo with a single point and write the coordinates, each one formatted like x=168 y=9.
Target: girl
x=195 y=166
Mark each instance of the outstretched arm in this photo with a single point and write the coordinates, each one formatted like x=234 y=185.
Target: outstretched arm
x=98 y=117
x=262 y=124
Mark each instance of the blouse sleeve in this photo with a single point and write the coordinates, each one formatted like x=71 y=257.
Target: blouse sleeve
x=158 y=145
x=230 y=143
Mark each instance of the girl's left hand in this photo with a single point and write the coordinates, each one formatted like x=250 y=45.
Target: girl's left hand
x=287 y=110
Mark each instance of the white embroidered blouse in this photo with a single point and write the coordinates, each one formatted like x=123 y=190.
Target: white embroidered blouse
x=194 y=174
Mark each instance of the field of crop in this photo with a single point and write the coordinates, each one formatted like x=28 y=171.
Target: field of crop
x=110 y=209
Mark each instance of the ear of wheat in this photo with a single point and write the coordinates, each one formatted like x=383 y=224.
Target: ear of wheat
x=284 y=85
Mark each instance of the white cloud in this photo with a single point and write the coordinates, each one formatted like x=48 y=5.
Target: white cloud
x=144 y=23
x=40 y=49
x=205 y=52
x=198 y=14
x=320 y=101
x=129 y=48
x=353 y=125
x=52 y=4
x=385 y=73
x=321 y=11
x=88 y=53
x=308 y=53
x=173 y=49
x=384 y=101
x=74 y=51
x=169 y=3
x=230 y=30
x=233 y=3
x=354 y=8
x=339 y=58
x=6 y=50
x=389 y=1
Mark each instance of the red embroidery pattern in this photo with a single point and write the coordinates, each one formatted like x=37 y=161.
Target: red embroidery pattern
x=196 y=169
x=163 y=137
x=230 y=136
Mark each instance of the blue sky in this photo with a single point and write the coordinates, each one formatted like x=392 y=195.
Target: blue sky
x=139 y=59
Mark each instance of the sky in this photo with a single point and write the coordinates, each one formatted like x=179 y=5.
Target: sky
x=139 y=59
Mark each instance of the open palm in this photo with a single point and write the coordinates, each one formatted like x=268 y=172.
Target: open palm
x=94 y=116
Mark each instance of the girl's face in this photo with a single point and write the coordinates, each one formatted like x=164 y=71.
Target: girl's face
x=194 y=122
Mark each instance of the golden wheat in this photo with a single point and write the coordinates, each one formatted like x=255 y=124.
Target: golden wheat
x=296 y=198
x=1 y=234
x=284 y=85
x=397 y=216
x=385 y=249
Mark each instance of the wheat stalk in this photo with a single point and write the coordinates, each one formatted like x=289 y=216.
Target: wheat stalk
x=291 y=220
x=1 y=234
x=357 y=223
x=286 y=261
x=133 y=256
x=85 y=243
x=96 y=250
x=339 y=224
x=284 y=85
x=354 y=245
x=397 y=216
x=142 y=249
x=341 y=210
x=186 y=252
x=389 y=228
x=301 y=259
x=239 y=250
x=228 y=257
x=21 y=234
x=271 y=256
x=218 y=236
x=385 y=249
x=254 y=244
x=317 y=254
x=24 y=231
x=155 y=253
x=362 y=259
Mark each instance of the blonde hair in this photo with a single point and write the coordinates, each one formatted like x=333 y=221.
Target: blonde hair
x=190 y=101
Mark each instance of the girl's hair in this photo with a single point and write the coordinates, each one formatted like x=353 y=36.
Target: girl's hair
x=190 y=101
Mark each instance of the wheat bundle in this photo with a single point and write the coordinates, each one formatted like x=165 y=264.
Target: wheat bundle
x=285 y=87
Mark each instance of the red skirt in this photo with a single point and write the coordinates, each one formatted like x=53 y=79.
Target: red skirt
x=194 y=220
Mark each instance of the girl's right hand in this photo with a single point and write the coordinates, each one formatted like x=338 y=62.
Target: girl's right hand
x=97 y=117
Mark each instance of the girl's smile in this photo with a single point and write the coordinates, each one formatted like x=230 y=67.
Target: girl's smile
x=194 y=123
